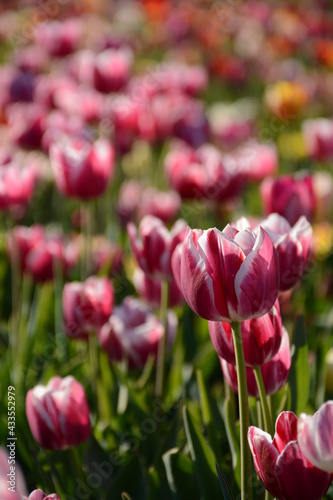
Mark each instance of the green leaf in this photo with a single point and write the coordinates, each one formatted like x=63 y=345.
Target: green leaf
x=227 y=495
x=232 y=439
x=203 y=459
x=299 y=376
x=180 y=474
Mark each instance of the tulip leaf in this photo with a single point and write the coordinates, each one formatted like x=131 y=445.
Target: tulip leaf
x=180 y=474
x=203 y=459
x=299 y=376
x=227 y=495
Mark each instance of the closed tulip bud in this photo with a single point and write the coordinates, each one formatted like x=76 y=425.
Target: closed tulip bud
x=86 y=306
x=229 y=275
x=20 y=242
x=261 y=338
x=40 y=495
x=51 y=252
x=26 y=124
x=82 y=169
x=315 y=437
x=59 y=38
x=153 y=245
x=58 y=414
x=290 y=196
x=281 y=465
x=112 y=69
x=17 y=186
x=274 y=373
x=292 y=245
x=133 y=332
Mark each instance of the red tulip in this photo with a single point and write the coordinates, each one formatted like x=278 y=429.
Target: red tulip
x=261 y=338
x=112 y=69
x=40 y=495
x=86 y=306
x=280 y=464
x=292 y=245
x=290 y=196
x=82 y=169
x=315 y=437
x=79 y=101
x=58 y=414
x=318 y=136
x=154 y=245
x=255 y=160
x=164 y=205
x=150 y=290
x=275 y=372
x=57 y=124
x=133 y=332
x=229 y=275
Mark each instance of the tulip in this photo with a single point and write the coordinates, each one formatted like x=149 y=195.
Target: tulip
x=82 y=169
x=57 y=124
x=314 y=435
x=202 y=173
x=255 y=160
x=290 y=196
x=58 y=414
x=133 y=332
x=59 y=38
x=229 y=275
x=318 y=136
x=261 y=338
x=50 y=250
x=153 y=245
x=26 y=124
x=17 y=185
x=107 y=256
x=150 y=290
x=274 y=373
x=292 y=245
x=40 y=495
x=323 y=189
x=81 y=102
x=163 y=205
x=280 y=464
x=86 y=306
x=21 y=240
x=112 y=69
x=19 y=482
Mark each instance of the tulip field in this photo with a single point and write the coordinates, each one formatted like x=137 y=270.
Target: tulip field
x=166 y=250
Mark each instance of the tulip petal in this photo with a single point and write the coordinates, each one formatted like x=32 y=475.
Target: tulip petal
x=257 y=281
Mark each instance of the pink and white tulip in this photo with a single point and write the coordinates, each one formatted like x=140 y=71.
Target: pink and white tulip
x=153 y=245
x=229 y=275
x=58 y=414
x=86 y=306
x=82 y=169
x=133 y=332
x=281 y=465
x=261 y=338
x=315 y=437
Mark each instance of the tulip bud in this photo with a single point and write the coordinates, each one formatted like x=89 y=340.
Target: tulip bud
x=281 y=465
x=58 y=414
x=86 y=306
x=261 y=338
x=153 y=245
x=133 y=332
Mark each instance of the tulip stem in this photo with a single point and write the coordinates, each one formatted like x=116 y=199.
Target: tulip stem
x=160 y=365
x=263 y=400
x=246 y=464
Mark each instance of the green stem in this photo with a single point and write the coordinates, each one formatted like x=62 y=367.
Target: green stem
x=246 y=465
x=268 y=424
x=160 y=365
x=87 y=217
x=94 y=365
